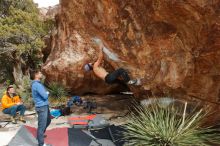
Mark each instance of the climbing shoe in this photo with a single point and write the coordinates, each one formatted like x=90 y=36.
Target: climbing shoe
x=21 y=118
x=134 y=82
x=131 y=82
x=13 y=120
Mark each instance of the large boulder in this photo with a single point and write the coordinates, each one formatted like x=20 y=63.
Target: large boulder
x=172 y=45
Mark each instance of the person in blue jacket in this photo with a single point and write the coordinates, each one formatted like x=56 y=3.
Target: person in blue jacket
x=40 y=97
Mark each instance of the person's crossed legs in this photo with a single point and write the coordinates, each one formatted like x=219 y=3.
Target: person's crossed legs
x=11 y=110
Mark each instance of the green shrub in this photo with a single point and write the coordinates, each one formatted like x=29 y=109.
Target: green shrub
x=24 y=91
x=158 y=126
x=56 y=90
x=8 y=82
x=57 y=93
x=2 y=91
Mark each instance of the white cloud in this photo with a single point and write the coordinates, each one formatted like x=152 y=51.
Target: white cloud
x=46 y=3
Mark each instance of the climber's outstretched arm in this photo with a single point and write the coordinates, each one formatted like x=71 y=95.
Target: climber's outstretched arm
x=100 y=56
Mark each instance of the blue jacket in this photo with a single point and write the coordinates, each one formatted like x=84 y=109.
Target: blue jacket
x=39 y=94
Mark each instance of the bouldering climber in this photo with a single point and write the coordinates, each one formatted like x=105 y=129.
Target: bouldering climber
x=118 y=76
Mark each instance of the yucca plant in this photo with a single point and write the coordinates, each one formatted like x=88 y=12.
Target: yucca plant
x=57 y=92
x=167 y=126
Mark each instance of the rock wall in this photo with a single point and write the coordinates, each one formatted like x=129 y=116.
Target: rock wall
x=172 y=45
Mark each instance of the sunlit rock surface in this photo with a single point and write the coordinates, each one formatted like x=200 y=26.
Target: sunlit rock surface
x=172 y=45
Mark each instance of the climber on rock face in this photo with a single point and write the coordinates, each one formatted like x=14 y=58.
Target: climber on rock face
x=117 y=76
